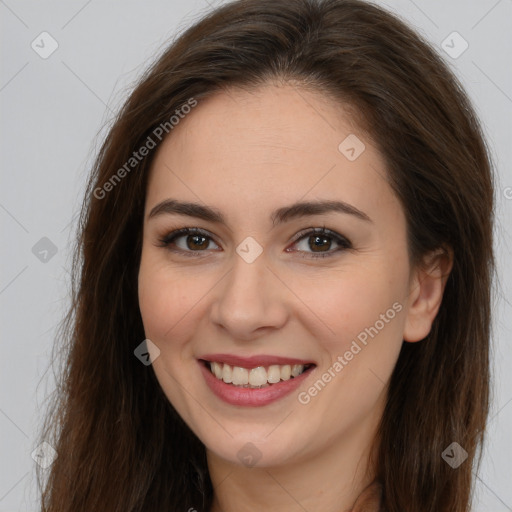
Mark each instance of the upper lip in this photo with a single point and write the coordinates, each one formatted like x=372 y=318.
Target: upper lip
x=253 y=361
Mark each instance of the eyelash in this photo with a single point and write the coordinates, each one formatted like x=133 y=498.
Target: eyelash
x=344 y=243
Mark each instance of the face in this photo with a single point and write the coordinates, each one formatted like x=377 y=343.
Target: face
x=262 y=288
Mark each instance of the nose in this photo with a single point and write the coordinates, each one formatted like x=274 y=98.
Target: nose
x=250 y=300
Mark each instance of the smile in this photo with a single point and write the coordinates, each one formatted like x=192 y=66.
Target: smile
x=255 y=378
x=253 y=381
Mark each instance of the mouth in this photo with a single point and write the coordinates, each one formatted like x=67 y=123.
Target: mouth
x=255 y=377
x=253 y=381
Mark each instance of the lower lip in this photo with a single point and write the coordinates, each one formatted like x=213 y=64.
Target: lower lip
x=251 y=397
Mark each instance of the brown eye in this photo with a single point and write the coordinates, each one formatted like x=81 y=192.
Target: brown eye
x=196 y=242
x=187 y=241
x=317 y=243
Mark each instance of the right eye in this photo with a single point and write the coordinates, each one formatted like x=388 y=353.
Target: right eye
x=195 y=240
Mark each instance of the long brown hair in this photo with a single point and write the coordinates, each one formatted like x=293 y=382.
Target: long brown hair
x=121 y=446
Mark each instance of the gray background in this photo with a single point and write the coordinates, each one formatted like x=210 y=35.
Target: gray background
x=53 y=113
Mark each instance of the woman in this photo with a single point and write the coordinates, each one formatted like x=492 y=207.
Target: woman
x=217 y=361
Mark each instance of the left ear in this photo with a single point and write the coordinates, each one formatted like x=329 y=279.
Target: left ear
x=426 y=293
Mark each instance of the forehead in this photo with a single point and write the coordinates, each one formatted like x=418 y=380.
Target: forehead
x=268 y=146
x=267 y=121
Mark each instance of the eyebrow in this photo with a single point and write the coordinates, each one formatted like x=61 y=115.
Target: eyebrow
x=279 y=216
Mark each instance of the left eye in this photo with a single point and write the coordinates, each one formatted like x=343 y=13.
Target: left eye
x=319 y=240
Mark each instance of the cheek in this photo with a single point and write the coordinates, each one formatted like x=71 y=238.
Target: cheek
x=351 y=302
x=168 y=304
x=364 y=308
x=167 y=301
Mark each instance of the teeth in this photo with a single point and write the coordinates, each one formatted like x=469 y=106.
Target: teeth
x=217 y=370
x=255 y=377
x=258 y=376
x=274 y=374
x=286 y=372
x=226 y=374
x=297 y=369
x=240 y=376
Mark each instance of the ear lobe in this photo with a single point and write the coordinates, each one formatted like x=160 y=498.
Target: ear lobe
x=426 y=293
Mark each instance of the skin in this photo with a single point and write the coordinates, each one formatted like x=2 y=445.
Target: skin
x=247 y=154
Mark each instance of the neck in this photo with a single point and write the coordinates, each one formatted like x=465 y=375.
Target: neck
x=330 y=480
